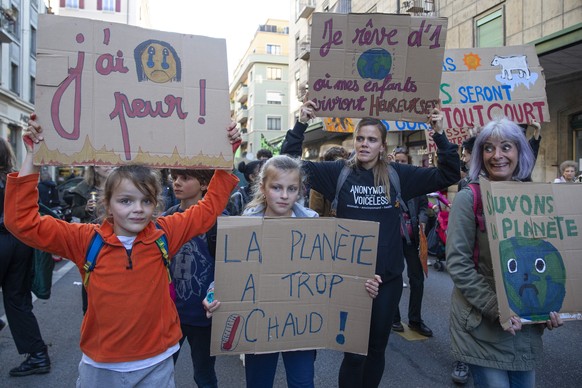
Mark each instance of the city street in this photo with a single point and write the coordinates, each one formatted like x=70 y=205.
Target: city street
x=412 y=362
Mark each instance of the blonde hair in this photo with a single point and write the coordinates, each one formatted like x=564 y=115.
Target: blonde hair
x=273 y=166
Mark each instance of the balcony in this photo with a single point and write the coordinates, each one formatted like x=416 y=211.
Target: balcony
x=304 y=49
x=418 y=6
x=242 y=94
x=242 y=116
x=304 y=8
x=7 y=26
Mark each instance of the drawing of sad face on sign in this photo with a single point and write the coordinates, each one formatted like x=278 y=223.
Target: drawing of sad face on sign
x=157 y=61
x=534 y=277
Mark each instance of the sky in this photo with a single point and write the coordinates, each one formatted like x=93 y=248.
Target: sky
x=234 y=20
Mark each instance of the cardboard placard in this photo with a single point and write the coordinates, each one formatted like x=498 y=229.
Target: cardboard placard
x=536 y=249
x=481 y=84
x=379 y=65
x=291 y=284
x=109 y=94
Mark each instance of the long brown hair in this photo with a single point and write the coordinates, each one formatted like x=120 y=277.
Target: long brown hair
x=380 y=169
x=7 y=159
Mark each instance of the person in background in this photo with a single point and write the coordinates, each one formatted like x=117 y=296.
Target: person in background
x=16 y=282
x=132 y=328
x=85 y=195
x=192 y=271
x=316 y=201
x=567 y=172
x=84 y=198
x=47 y=190
x=168 y=195
x=264 y=154
x=243 y=195
x=416 y=219
x=460 y=373
x=497 y=357
x=367 y=194
x=278 y=195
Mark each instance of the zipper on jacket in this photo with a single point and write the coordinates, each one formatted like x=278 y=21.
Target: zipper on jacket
x=129 y=262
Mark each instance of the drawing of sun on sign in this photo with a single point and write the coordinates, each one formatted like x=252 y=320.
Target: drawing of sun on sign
x=472 y=61
x=157 y=61
x=515 y=64
x=534 y=277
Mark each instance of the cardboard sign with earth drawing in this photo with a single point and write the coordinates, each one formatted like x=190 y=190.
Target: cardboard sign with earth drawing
x=378 y=65
x=109 y=94
x=536 y=248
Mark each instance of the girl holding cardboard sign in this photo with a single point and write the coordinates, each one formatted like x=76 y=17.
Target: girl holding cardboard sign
x=279 y=187
x=131 y=328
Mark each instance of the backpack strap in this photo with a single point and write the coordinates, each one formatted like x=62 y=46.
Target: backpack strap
x=162 y=243
x=394 y=181
x=479 y=221
x=91 y=257
x=400 y=203
x=97 y=243
x=340 y=182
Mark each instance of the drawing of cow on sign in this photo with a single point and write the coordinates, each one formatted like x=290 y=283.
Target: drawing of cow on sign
x=517 y=63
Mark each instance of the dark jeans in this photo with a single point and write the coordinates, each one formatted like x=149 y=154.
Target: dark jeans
x=16 y=281
x=299 y=368
x=202 y=362
x=416 y=283
x=366 y=371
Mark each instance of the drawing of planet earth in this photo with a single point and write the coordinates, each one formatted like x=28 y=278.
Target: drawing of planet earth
x=534 y=277
x=375 y=64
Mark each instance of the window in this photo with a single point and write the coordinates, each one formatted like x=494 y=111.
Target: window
x=71 y=3
x=274 y=123
x=490 y=30
x=274 y=98
x=109 y=5
x=297 y=81
x=273 y=49
x=32 y=41
x=32 y=89
x=14 y=78
x=297 y=41
x=274 y=73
